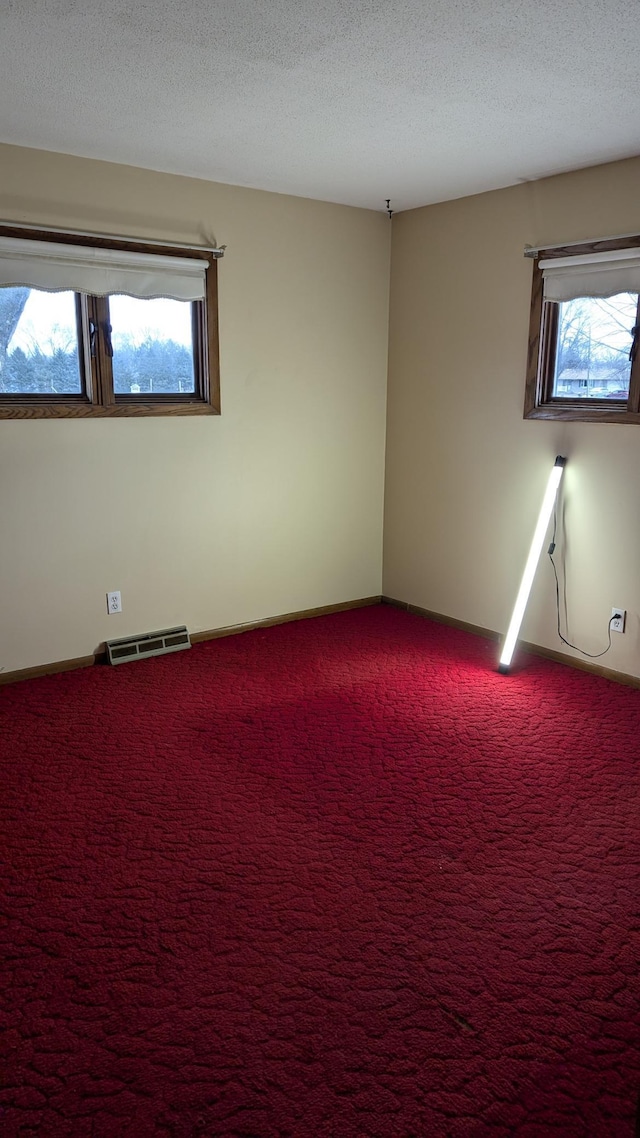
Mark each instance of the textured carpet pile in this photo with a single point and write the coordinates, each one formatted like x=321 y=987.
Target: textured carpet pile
x=333 y=879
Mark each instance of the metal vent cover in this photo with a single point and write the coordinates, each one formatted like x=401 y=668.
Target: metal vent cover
x=148 y=644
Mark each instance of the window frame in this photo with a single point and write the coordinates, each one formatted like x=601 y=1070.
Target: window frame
x=539 y=402
x=98 y=398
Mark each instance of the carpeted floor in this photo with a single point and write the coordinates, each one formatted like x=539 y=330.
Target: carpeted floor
x=333 y=879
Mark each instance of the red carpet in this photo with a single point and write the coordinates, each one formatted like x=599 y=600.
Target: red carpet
x=333 y=879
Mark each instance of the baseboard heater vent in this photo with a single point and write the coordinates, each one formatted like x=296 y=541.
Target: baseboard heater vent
x=149 y=644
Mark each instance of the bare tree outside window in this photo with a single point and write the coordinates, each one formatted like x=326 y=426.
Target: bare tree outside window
x=594 y=340
x=12 y=302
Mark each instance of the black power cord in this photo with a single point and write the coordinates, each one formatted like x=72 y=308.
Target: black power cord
x=550 y=551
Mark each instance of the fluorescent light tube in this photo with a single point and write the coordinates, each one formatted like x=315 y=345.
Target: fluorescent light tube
x=519 y=608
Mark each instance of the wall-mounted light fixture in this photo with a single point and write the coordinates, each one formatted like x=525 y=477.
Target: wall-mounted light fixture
x=544 y=517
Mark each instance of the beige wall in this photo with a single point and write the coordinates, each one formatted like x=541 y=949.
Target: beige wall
x=273 y=507
x=276 y=505
x=464 y=472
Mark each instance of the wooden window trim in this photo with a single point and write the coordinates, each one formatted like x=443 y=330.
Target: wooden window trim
x=543 y=322
x=98 y=399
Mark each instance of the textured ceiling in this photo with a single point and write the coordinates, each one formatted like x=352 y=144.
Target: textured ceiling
x=346 y=100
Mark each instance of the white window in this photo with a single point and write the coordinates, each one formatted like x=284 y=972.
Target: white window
x=90 y=328
x=584 y=362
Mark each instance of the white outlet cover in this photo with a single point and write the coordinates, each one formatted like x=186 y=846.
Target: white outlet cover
x=618 y=625
x=114 y=603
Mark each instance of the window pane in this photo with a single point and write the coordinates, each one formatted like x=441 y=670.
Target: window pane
x=38 y=343
x=594 y=340
x=152 y=346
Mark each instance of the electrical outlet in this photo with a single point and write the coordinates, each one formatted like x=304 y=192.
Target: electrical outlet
x=114 y=603
x=618 y=617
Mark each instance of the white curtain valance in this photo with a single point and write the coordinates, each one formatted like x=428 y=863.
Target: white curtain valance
x=99 y=272
x=591 y=274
